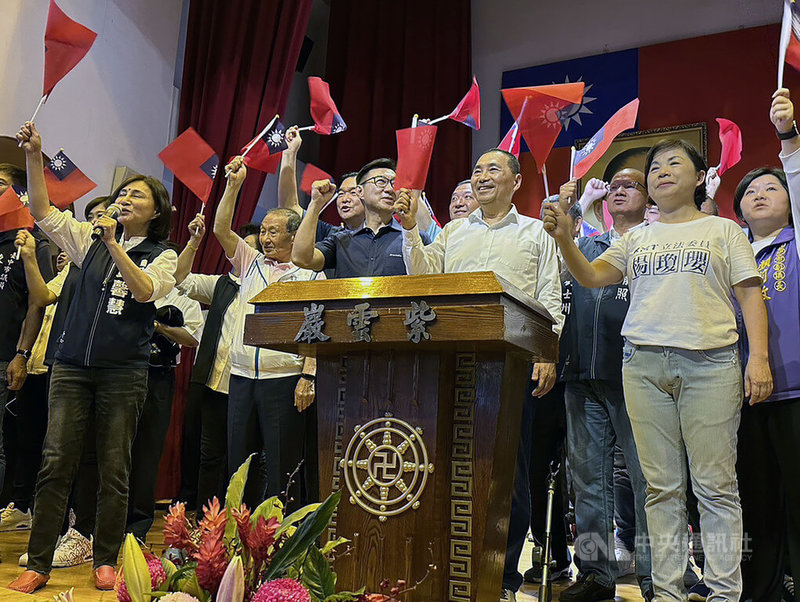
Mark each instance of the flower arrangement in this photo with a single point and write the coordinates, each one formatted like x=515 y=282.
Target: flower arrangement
x=233 y=554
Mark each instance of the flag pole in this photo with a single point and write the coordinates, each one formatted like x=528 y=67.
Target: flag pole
x=786 y=33
x=42 y=100
x=261 y=133
x=307 y=128
x=544 y=177
x=571 y=162
x=333 y=198
x=438 y=119
x=38 y=107
x=414 y=120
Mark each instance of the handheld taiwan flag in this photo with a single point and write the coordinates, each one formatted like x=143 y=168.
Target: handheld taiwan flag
x=468 y=110
x=312 y=174
x=65 y=182
x=730 y=136
x=193 y=162
x=789 y=48
x=541 y=123
x=414 y=149
x=511 y=141
x=66 y=42
x=622 y=120
x=327 y=119
x=264 y=151
x=9 y=200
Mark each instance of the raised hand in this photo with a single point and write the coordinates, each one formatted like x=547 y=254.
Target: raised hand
x=712 y=181
x=29 y=139
x=405 y=206
x=293 y=139
x=26 y=245
x=556 y=222
x=568 y=193
x=322 y=192
x=197 y=229
x=236 y=172
x=781 y=113
x=595 y=189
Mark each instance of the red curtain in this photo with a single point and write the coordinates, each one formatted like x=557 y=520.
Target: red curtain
x=387 y=61
x=239 y=61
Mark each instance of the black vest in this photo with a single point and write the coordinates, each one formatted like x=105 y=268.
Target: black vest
x=105 y=326
x=60 y=315
x=224 y=293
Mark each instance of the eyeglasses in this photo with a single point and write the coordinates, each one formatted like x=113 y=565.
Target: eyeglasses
x=380 y=182
x=630 y=185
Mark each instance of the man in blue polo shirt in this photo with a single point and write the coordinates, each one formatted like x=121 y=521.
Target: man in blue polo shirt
x=374 y=249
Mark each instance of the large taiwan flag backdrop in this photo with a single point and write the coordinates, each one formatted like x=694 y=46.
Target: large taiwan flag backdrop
x=737 y=81
x=65 y=182
x=193 y=162
x=66 y=42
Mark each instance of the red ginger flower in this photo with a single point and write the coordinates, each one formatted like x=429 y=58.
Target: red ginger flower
x=176 y=533
x=261 y=537
x=242 y=518
x=282 y=590
x=212 y=557
x=157 y=578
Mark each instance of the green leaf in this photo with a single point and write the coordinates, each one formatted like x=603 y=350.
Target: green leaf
x=268 y=508
x=333 y=544
x=296 y=517
x=318 y=578
x=346 y=596
x=305 y=536
x=233 y=496
x=179 y=575
x=169 y=570
x=134 y=568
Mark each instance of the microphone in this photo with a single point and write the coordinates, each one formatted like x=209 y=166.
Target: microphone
x=113 y=213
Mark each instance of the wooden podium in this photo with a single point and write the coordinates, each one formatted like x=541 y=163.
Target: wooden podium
x=420 y=383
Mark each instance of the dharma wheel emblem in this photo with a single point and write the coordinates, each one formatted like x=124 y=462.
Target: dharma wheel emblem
x=386 y=467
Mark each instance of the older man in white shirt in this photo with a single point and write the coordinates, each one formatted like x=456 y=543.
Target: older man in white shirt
x=496 y=237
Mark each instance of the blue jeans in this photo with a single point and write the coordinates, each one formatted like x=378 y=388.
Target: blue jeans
x=115 y=396
x=597 y=421
x=686 y=403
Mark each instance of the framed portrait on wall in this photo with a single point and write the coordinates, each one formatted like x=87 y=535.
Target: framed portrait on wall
x=630 y=149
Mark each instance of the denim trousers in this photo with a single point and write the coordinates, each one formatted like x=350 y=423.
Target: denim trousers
x=115 y=397
x=685 y=404
x=597 y=421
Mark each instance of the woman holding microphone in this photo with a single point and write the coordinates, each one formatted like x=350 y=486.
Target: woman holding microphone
x=101 y=363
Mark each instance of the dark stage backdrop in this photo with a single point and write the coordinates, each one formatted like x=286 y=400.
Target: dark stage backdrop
x=731 y=75
x=387 y=61
x=239 y=61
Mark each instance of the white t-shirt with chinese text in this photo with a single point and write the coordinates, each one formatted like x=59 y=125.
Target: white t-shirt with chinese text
x=680 y=279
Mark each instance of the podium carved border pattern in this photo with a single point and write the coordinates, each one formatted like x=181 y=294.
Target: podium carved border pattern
x=338 y=445
x=461 y=477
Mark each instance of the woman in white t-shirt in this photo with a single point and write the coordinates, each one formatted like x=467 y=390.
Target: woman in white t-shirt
x=681 y=370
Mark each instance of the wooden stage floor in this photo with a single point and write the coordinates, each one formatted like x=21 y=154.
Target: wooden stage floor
x=13 y=544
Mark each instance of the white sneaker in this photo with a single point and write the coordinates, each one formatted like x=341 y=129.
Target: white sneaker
x=626 y=560
x=12 y=519
x=74 y=549
x=23 y=559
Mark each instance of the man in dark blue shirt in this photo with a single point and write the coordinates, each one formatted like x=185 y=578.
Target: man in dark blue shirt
x=374 y=249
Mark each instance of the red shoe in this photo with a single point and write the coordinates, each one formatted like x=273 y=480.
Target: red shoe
x=28 y=582
x=104 y=577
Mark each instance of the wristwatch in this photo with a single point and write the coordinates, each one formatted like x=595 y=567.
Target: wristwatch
x=790 y=134
x=24 y=353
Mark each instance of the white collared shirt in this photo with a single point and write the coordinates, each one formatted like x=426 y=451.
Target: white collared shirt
x=75 y=238
x=190 y=309
x=200 y=287
x=516 y=248
x=258 y=272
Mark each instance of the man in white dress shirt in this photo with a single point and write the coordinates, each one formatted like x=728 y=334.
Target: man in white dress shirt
x=496 y=237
